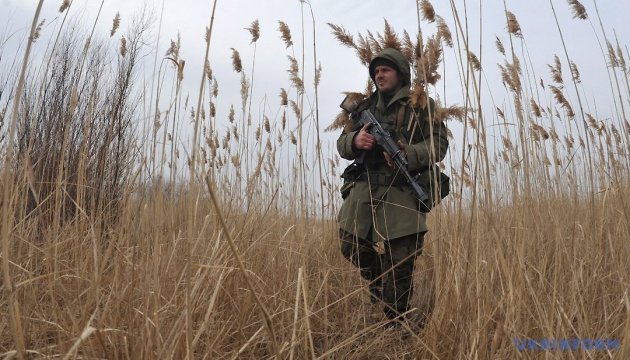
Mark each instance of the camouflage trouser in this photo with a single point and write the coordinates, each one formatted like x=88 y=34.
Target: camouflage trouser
x=400 y=254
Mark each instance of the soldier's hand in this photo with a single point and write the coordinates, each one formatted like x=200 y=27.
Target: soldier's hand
x=364 y=140
x=388 y=159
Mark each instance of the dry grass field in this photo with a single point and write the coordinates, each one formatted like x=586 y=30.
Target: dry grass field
x=108 y=251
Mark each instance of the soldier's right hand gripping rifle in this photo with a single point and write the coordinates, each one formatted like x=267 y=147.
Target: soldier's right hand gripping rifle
x=385 y=140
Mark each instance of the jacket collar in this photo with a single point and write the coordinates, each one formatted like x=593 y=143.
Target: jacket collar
x=401 y=95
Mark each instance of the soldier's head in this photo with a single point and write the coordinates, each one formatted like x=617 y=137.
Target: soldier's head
x=390 y=71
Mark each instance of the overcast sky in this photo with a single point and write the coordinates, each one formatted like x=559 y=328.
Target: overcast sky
x=341 y=70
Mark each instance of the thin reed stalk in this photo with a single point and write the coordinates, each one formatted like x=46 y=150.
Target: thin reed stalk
x=579 y=98
x=195 y=146
x=237 y=256
x=8 y=199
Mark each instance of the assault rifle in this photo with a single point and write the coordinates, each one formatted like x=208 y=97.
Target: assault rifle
x=385 y=140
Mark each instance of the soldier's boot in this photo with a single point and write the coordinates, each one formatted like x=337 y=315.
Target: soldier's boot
x=397 y=292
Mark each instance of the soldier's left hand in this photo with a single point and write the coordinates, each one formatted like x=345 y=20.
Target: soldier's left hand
x=389 y=160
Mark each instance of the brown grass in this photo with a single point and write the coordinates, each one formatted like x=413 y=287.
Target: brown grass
x=108 y=253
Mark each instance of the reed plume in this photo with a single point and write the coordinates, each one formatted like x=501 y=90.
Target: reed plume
x=621 y=59
x=428 y=12
x=612 y=56
x=231 y=115
x=449 y=112
x=123 y=46
x=418 y=97
x=173 y=50
x=364 y=50
x=499 y=46
x=236 y=61
x=575 y=72
x=428 y=65
x=285 y=33
x=267 y=125
x=254 y=30
x=562 y=101
x=38 y=30
x=215 y=87
x=296 y=109
x=408 y=47
x=294 y=70
x=539 y=131
x=115 y=24
x=513 y=26
x=535 y=108
x=444 y=32
x=390 y=38
x=284 y=120
x=474 y=61
x=342 y=120
x=208 y=71
x=342 y=35
x=374 y=43
x=579 y=12
x=556 y=70
x=500 y=113
x=318 y=75
x=64 y=6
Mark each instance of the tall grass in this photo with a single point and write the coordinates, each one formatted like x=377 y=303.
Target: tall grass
x=119 y=240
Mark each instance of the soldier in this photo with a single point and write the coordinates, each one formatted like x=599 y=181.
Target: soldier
x=379 y=205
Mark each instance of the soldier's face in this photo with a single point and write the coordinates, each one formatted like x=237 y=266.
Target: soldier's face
x=387 y=80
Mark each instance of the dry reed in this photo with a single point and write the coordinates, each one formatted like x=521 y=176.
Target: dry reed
x=103 y=260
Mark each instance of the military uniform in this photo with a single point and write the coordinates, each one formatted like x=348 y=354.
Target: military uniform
x=380 y=205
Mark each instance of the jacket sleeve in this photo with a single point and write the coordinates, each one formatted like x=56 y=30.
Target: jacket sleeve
x=344 y=143
x=431 y=149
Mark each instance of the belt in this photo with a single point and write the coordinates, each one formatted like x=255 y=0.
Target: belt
x=382 y=179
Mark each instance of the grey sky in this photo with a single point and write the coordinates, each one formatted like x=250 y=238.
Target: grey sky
x=341 y=69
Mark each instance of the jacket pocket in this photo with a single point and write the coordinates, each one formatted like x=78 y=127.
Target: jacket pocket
x=349 y=176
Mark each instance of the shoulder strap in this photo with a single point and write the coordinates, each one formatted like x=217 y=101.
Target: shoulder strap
x=403 y=113
x=373 y=106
